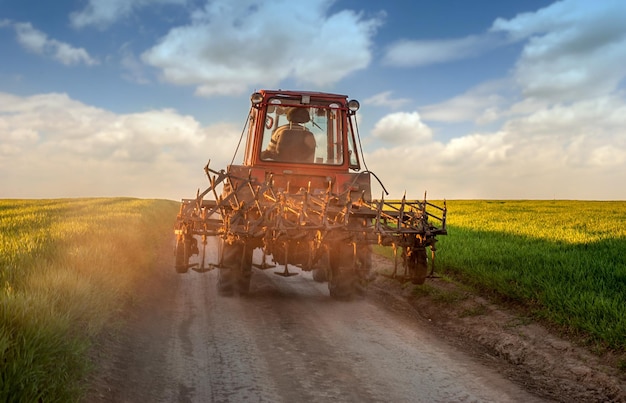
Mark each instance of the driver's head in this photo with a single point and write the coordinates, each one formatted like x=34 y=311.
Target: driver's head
x=298 y=115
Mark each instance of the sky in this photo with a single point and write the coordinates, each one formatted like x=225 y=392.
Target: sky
x=484 y=99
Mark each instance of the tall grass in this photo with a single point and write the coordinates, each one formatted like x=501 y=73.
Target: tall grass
x=67 y=267
x=565 y=260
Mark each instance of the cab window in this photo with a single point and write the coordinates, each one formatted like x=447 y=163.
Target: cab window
x=302 y=133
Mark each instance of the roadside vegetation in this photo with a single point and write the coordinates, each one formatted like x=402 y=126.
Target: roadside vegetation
x=67 y=268
x=565 y=261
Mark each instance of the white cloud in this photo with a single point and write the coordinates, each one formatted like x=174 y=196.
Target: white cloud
x=384 y=99
x=231 y=46
x=401 y=128
x=411 y=53
x=30 y=38
x=54 y=146
x=575 y=49
x=481 y=104
x=38 y=42
x=104 y=13
x=575 y=151
x=608 y=156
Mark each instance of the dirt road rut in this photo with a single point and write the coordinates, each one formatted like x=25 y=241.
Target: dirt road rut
x=288 y=341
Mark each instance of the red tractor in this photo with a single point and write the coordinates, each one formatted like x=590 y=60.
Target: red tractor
x=302 y=197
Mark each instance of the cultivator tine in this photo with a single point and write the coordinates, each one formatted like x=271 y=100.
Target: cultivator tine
x=325 y=209
x=264 y=265
x=198 y=200
x=255 y=193
x=286 y=272
x=203 y=268
x=191 y=266
x=303 y=216
x=443 y=217
x=379 y=211
x=432 y=261
x=400 y=223
x=406 y=254
x=395 y=261
x=221 y=175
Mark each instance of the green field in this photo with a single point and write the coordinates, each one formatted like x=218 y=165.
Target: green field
x=564 y=260
x=67 y=267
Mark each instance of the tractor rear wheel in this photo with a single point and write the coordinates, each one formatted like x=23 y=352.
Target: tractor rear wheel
x=342 y=281
x=245 y=272
x=319 y=274
x=363 y=267
x=235 y=270
x=320 y=269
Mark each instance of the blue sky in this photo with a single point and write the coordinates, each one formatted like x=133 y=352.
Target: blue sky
x=464 y=99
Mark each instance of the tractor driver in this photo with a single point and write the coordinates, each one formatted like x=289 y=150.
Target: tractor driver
x=292 y=142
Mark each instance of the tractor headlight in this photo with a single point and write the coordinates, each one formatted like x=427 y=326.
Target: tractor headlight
x=256 y=98
x=353 y=105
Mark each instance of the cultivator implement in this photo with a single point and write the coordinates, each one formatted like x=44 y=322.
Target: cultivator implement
x=263 y=215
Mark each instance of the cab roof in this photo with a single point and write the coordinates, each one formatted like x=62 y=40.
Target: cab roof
x=313 y=94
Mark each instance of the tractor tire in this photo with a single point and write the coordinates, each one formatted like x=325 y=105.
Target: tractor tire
x=234 y=273
x=245 y=272
x=183 y=251
x=320 y=269
x=244 y=282
x=320 y=275
x=342 y=286
x=418 y=265
x=180 y=263
x=343 y=278
x=363 y=268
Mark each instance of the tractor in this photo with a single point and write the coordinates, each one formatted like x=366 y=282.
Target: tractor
x=302 y=197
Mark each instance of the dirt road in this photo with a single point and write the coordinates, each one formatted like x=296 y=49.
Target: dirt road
x=288 y=341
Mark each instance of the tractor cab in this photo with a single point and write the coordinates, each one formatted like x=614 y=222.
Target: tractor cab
x=303 y=140
x=307 y=132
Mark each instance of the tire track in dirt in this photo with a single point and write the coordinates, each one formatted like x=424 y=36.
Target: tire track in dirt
x=288 y=341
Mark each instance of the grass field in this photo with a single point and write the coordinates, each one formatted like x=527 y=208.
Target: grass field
x=565 y=260
x=67 y=267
